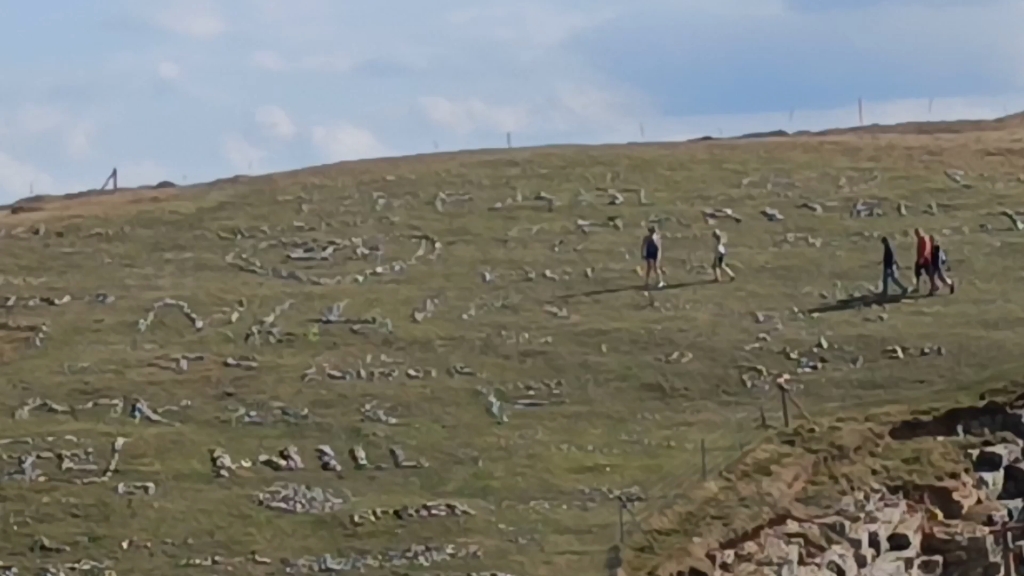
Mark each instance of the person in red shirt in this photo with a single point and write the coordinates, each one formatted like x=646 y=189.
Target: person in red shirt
x=923 y=264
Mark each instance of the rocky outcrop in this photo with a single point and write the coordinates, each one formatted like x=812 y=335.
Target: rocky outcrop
x=930 y=495
x=870 y=533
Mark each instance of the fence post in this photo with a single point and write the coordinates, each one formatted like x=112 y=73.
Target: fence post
x=622 y=521
x=508 y=139
x=860 y=110
x=1006 y=540
x=785 y=406
x=703 y=461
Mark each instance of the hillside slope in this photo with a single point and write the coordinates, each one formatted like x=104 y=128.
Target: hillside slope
x=450 y=298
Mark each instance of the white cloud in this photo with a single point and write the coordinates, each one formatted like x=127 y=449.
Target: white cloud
x=330 y=62
x=471 y=115
x=580 y=105
x=276 y=122
x=18 y=179
x=243 y=156
x=346 y=142
x=336 y=62
x=268 y=60
x=545 y=70
x=533 y=25
x=168 y=70
x=145 y=173
x=78 y=140
x=35 y=119
x=196 y=18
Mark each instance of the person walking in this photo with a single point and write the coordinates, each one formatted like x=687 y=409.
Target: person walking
x=889 y=269
x=719 y=265
x=650 y=249
x=939 y=268
x=923 y=264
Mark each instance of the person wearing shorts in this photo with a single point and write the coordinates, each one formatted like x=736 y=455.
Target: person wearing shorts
x=650 y=249
x=923 y=263
x=719 y=264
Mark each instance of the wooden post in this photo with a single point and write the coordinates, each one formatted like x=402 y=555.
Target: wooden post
x=860 y=110
x=622 y=521
x=785 y=406
x=703 y=461
x=508 y=139
x=930 y=102
x=1007 y=541
x=111 y=178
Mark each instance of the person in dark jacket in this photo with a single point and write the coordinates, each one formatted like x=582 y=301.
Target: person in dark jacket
x=889 y=269
x=939 y=268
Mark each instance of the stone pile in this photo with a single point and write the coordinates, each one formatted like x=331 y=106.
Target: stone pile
x=80 y=567
x=298 y=499
x=68 y=461
x=866 y=209
x=416 y=555
x=177 y=363
x=425 y=311
x=286 y=460
x=136 y=488
x=245 y=362
x=278 y=412
x=196 y=321
x=947 y=527
x=250 y=264
x=371 y=413
x=328 y=460
x=425 y=510
x=108 y=471
x=369 y=374
x=400 y=461
x=138 y=409
x=33 y=301
x=266 y=327
x=222 y=465
x=713 y=215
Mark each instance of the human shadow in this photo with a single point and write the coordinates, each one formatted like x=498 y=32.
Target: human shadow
x=640 y=288
x=863 y=301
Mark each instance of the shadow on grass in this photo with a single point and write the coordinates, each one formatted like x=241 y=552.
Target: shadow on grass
x=635 y=289
x=856 y=302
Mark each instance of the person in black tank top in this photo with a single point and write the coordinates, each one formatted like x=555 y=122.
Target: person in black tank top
x=650 y=249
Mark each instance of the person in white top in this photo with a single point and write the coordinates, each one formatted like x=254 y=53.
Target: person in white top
x=719 y=265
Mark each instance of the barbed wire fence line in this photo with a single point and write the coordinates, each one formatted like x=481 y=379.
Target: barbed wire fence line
x=715 y=457
x=856 y=115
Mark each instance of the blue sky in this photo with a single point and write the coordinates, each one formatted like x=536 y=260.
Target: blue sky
x=192 y=90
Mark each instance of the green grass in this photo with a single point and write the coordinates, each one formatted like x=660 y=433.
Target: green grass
x=617 y=399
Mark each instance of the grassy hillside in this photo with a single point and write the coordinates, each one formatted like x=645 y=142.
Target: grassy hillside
x=533 y=300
